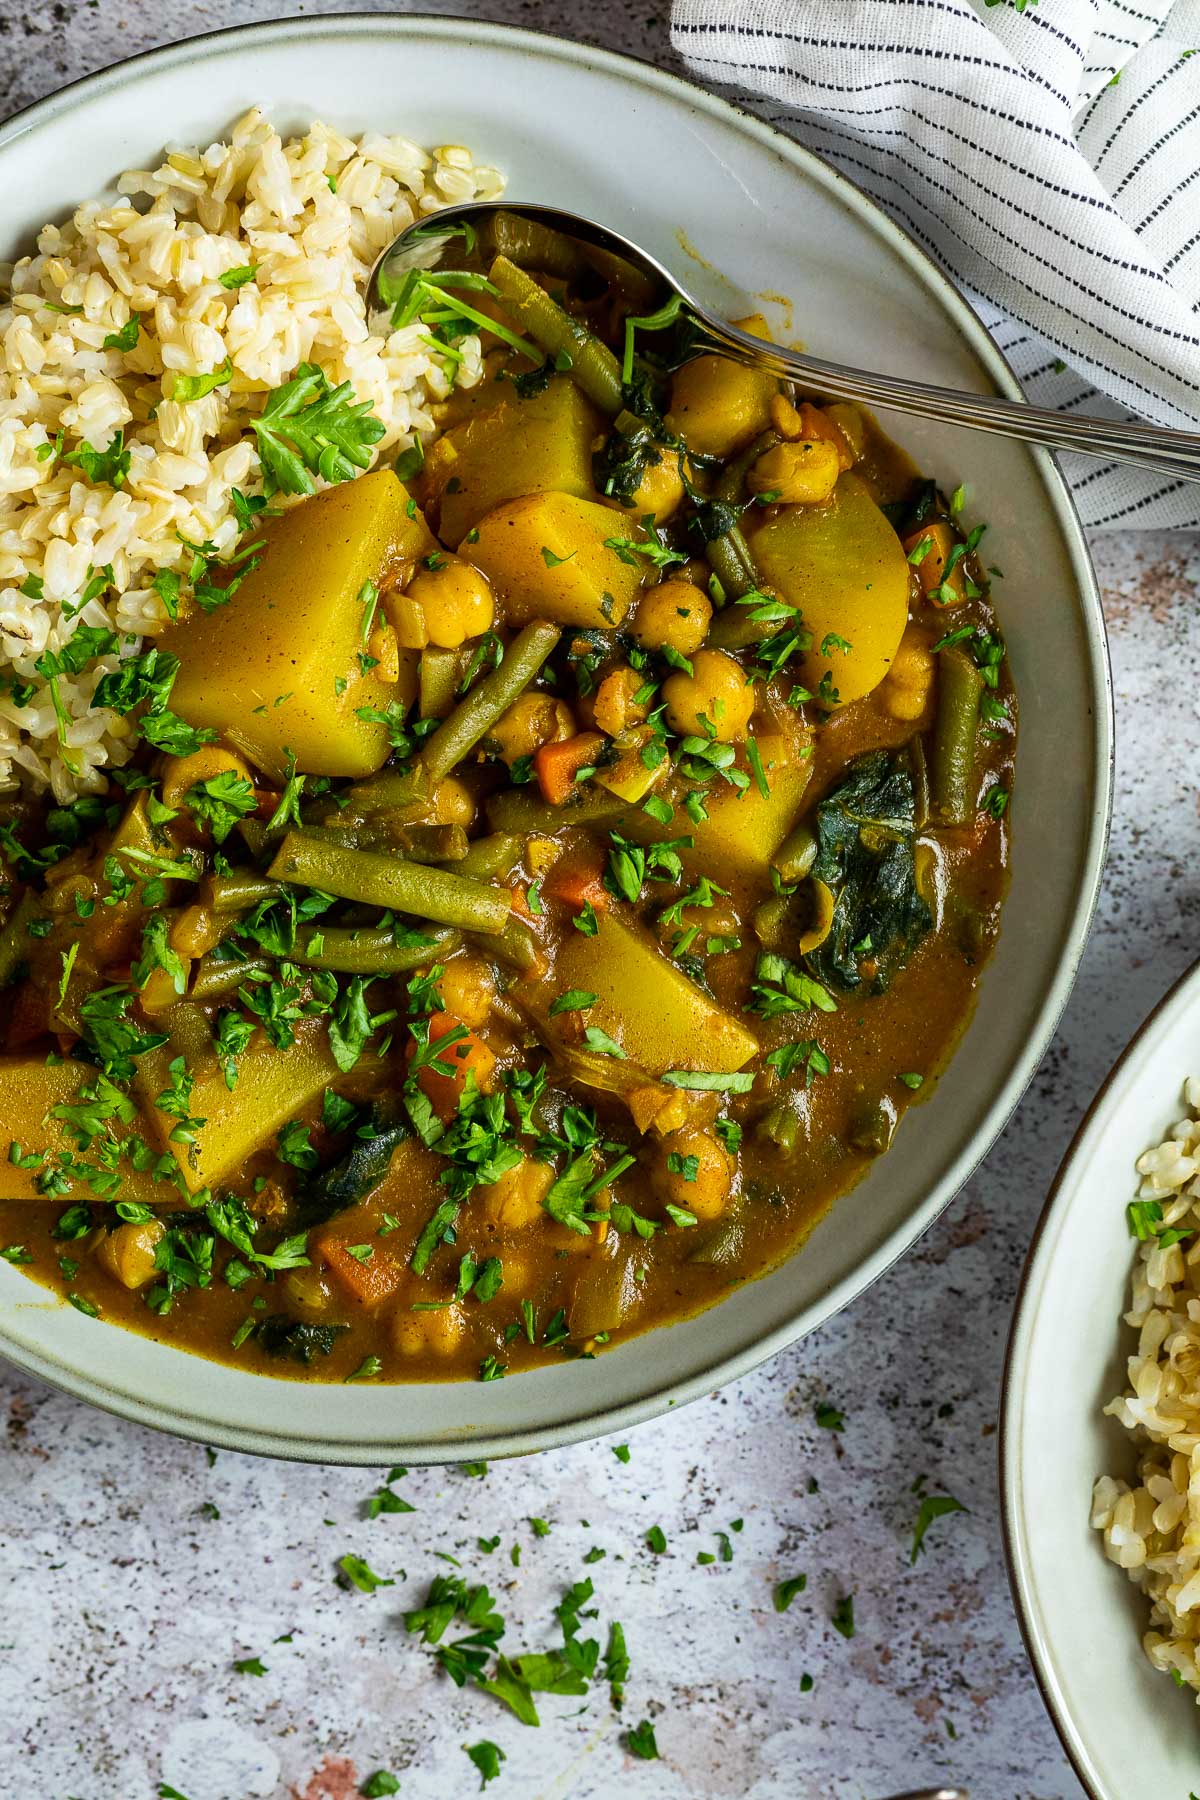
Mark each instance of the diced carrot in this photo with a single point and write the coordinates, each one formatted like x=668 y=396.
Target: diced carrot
x=369 y=1280
x=467 y=1055
x=556 y=765
x=520 y=903
x=579 y=884
x=943 y=589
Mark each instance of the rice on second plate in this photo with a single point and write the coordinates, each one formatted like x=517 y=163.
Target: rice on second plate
x=99 y=326
x=1152 y=1530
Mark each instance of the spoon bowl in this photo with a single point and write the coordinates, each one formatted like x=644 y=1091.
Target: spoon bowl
x=426 y=246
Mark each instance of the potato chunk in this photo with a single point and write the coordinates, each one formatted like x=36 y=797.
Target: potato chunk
x=547 y=557
x=660 y=1019
x=273 y=1086
x=744 y=829
x=29 y=1089
x=844 y=567
x=535 y=446
x=266 y=667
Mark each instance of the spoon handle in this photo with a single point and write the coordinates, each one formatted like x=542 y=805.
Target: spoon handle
x=1157 y=447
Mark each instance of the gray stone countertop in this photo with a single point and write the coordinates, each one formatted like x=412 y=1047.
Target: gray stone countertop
x=127 y=1600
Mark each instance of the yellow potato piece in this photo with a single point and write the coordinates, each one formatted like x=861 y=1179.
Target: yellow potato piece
x=718 y=405
x=273 y=1086
x=535 y=446
x=844 y=567
x=660 y=1019
x=264 y=669
x=577 y=581
x=744 y=830
x=29 y=1088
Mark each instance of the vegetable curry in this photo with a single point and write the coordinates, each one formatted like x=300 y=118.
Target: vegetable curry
x=544 y=874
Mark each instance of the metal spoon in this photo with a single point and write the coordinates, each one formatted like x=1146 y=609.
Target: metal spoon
x=425 y=244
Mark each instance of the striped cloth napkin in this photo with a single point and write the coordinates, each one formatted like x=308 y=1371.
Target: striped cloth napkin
x=1046 y=154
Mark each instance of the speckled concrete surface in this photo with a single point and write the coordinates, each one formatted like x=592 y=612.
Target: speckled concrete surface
x=126 y=1599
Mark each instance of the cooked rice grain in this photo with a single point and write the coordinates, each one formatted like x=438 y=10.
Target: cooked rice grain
x=311 y=214
x=1152 y=1530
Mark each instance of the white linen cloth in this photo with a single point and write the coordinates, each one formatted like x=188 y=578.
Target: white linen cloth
x=1046 y=153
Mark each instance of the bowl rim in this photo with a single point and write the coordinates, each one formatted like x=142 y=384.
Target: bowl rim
x=1014 y=1382
x=602 y=1418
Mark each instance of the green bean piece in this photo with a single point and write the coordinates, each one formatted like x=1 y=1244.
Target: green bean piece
x=475 y=715
x=532 y=245
x=515 y=945
x=732 y=480
x=254 y=835
x=238 y=891
x=770 y=920
x=730 y=557
x=214 y=979
x=390 y=883
x=15 y=939
x=438 y=676
x=417 y=843
x=781 y=1127
x=524 y=812
x=490 y=858
x=735 y=629
x=730 y=560
x=368 y=950
x=796 y=855
x=954 y=778
x=406 y=788
x=593 y=368
x=871 y=1127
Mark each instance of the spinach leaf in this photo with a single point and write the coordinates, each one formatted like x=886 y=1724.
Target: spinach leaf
x=364 y=1165
x=866 y=833
x=280 y=1335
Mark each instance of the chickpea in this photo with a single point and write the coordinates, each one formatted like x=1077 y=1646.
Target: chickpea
x=718 y=920
x=456 y=601
x=820 y=427
x=673 y=615
x=309 y=1289
x=799 y=474
x=128 y=1252
x=434 y=1333
x=183 y=772
x=452 y=803
x=784 y=417
x=515 y=1201
x=712 y=1177
x=660 y=491
x=906 y=687
x=716 y=691
x=195 y=931
x=468 y=988
x=533 y=720
x=613 y=709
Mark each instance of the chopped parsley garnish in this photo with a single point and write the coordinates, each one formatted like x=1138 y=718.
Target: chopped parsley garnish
x=933 y=1506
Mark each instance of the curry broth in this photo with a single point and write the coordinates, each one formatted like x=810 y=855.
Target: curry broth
x=716 y=1180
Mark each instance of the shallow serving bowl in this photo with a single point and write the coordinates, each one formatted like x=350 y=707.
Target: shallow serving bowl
x=682 y=173
x=1127 y=1730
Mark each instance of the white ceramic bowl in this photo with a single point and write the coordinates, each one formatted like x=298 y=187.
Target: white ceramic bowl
x=665 y=163
x=1129 y=1732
